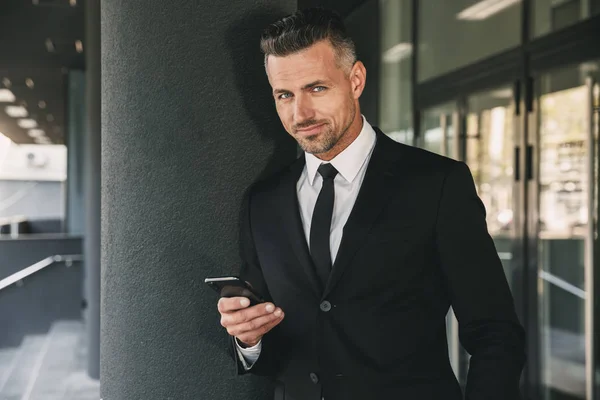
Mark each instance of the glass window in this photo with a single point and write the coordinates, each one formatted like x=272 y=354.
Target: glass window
x=552 y=15
x=395 y=111
x=490 y=156
x=456 y=33
x=566 y=137
x=438 y=130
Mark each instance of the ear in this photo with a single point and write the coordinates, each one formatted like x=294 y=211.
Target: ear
x=358 y=78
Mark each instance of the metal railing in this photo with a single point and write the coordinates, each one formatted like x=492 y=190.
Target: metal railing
x=32 y=269
x=11 y=226
x=564 y=285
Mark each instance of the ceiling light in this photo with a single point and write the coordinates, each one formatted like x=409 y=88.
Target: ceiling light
x=27 y=123
x=42 y=104
x=29 y=82
x=73 y=3
x=16 y=111
x=397 y=52
x=485 y=9
x=6 y=96
x=79 y=46
x=36 y=133
x=50 y=118
x=6 y=82
x=502 y=93
x=42 y=140
x=50 y=46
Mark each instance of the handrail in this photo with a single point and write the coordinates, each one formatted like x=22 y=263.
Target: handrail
x=555 y=280
x=13 y=223
x=46 y=262
x=12 y=220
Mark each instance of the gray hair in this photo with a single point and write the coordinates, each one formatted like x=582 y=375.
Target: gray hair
x=304 y=28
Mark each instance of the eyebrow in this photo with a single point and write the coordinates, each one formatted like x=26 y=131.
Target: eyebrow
x=307 y=86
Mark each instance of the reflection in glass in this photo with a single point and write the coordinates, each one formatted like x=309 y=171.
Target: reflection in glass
x=456 y=33
x=437 y=136
x=595 y=322
x=395 y=115
x=438 y=130
x=490 y=146
x=552 y=15
x=563 y=222
x=562 y=162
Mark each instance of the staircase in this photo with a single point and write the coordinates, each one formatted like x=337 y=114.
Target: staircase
x=48 y=367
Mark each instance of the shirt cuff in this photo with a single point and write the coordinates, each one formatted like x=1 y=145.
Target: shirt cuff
x=248 y=356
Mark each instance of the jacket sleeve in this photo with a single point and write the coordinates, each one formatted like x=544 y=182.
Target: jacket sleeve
x=272 y=350
x=488 y=325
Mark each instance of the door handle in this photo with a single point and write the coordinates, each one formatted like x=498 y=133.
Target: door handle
x=517 y=160
x=529 y=163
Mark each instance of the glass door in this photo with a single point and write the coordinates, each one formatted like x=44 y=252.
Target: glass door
x=439 y=130
x=482 y=130
x=490 y=154
x=491 y=135
x=566 y=230
x=439 y=134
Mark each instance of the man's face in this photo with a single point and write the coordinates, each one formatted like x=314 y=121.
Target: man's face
x=317 y=101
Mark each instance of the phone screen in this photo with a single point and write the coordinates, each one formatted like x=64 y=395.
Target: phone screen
x=234 y=287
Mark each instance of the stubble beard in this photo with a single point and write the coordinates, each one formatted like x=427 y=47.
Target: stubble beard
x=327 y=139
x=320 y=143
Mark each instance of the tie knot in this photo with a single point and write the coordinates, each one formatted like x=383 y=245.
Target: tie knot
x=327 y=171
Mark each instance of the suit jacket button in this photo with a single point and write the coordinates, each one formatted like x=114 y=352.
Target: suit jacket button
x=314 y=378
x=325 y=306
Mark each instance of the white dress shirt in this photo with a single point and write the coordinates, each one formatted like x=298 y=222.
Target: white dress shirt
x=351 y=165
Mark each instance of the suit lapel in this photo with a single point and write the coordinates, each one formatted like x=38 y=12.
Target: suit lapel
x=294 y=228
x=374 y=194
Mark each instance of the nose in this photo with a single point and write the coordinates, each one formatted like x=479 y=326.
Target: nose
x=303 y=109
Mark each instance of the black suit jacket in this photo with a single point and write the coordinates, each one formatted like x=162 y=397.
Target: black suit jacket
x=416 y=243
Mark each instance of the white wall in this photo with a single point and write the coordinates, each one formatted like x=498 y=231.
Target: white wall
x=33 y=162
x=32 y=180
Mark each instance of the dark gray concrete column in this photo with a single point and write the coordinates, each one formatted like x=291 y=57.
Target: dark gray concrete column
x=92 y=186
x=188 y=123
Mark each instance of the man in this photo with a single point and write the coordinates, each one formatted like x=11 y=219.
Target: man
x=361 y=246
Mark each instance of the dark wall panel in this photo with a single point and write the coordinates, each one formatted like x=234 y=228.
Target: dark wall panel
x=363 y=26
x=92 y=149
x=188 y=122
x=344 y=7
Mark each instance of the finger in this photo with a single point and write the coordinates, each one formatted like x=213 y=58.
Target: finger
x=256 y=335
x=228 y=304
x=246 y=315
x=254 y=325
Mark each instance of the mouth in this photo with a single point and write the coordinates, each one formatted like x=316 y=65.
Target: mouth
x=311 y=130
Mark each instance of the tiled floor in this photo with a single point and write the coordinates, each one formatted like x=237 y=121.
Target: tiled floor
x=48 y=367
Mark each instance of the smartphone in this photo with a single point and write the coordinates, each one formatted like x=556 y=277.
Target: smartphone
x=233 y=286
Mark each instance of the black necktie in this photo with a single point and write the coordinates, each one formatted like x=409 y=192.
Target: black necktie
x=320 y=228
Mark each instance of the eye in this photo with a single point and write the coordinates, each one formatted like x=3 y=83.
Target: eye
x=284 y=96
x=318 y=88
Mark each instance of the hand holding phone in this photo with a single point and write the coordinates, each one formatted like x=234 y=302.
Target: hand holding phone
x=244 y=313
x=232 y=286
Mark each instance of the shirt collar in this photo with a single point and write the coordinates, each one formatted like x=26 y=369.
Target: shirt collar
x=348 y=162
